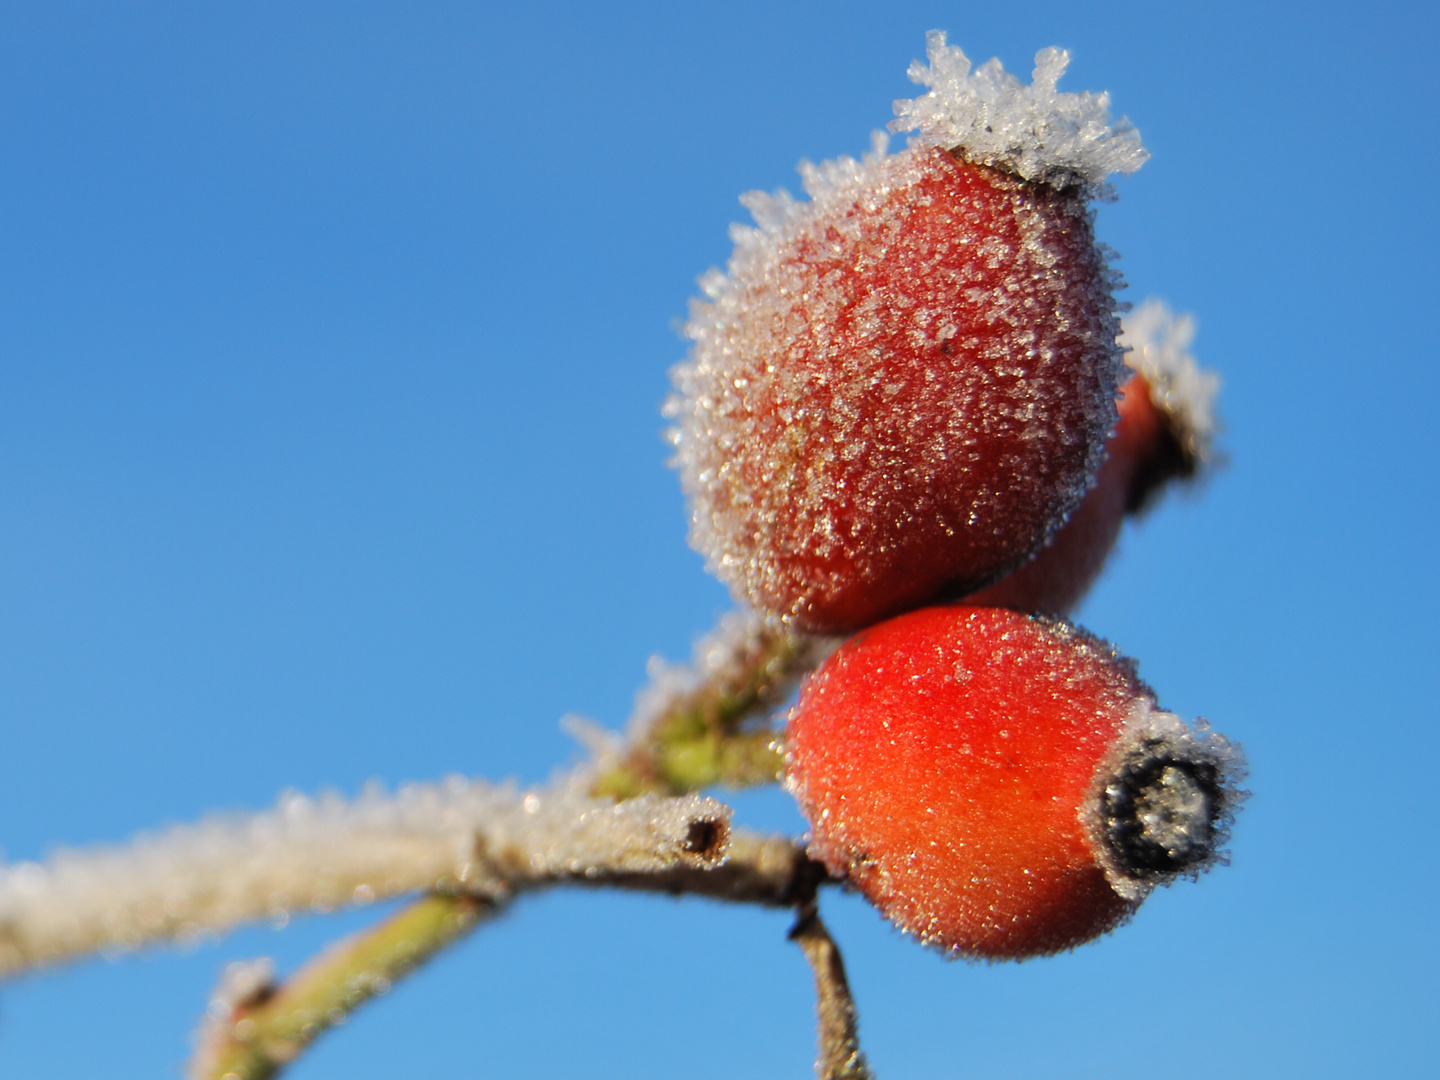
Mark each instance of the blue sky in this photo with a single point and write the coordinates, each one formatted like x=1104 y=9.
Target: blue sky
x=332 y=340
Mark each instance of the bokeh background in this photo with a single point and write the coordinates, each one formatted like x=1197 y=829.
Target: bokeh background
x=332 y=338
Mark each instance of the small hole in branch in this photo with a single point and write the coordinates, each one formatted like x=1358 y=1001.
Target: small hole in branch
x=705 y=838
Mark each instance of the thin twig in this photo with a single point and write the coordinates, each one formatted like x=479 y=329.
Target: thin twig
x=772 y=871
x=256 y=1037
x=838 y=1034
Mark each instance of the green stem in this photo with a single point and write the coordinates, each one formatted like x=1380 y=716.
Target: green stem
x=262 y=1036
x=705 y=733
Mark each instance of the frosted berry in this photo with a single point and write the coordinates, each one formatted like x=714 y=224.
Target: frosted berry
x=901 y=388
x=1164 y=433
x=1001 y=786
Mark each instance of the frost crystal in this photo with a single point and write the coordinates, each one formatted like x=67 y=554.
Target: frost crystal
x=1032 y=131
x=1159 y=341
x=726 y=657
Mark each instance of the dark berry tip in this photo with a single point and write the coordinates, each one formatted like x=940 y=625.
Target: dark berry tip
x=1164 y=801
x=1161 y=815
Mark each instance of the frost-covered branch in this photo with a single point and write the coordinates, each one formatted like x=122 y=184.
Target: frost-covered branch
x=255 y=1027
x=693 y=726
x=469 y=846
x=772 y=871
x=696 y=724
x=317 y=854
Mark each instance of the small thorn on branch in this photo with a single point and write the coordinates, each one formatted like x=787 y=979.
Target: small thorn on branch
x=840 y=1057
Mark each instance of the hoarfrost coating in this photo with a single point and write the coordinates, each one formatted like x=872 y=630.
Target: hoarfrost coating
x=724 y=657
x=1190 y=820
x=317 y=854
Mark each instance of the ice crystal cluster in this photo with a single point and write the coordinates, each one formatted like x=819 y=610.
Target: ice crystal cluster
x=902 y=386
x=727 y=656
x=1033 y=131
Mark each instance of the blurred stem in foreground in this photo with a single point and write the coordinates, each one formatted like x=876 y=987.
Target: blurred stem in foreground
x=256 y=1037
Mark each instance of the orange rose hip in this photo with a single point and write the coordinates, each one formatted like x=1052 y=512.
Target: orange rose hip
x=1002 y=786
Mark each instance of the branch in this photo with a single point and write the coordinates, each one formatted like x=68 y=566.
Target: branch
x=470 y=846
x=689 y=731
x=772 y=871
x=320 y=854
x=256 y=1028
x=838 y=1028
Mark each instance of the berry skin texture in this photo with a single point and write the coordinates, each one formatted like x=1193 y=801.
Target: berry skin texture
x=901 y=389
x=1001 y=786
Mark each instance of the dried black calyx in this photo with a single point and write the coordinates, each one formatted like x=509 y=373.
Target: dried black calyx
x=1161 y=812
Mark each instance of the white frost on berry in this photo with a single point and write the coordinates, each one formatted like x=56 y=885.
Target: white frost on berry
x=1158 y=343
x=855 y=355
x=839 y=190
x=1032 y=131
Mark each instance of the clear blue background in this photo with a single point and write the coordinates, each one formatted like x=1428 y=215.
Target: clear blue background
x=331 y=343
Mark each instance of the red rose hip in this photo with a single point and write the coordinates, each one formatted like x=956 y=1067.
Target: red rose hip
x=1001 y=786
x=901 y=388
